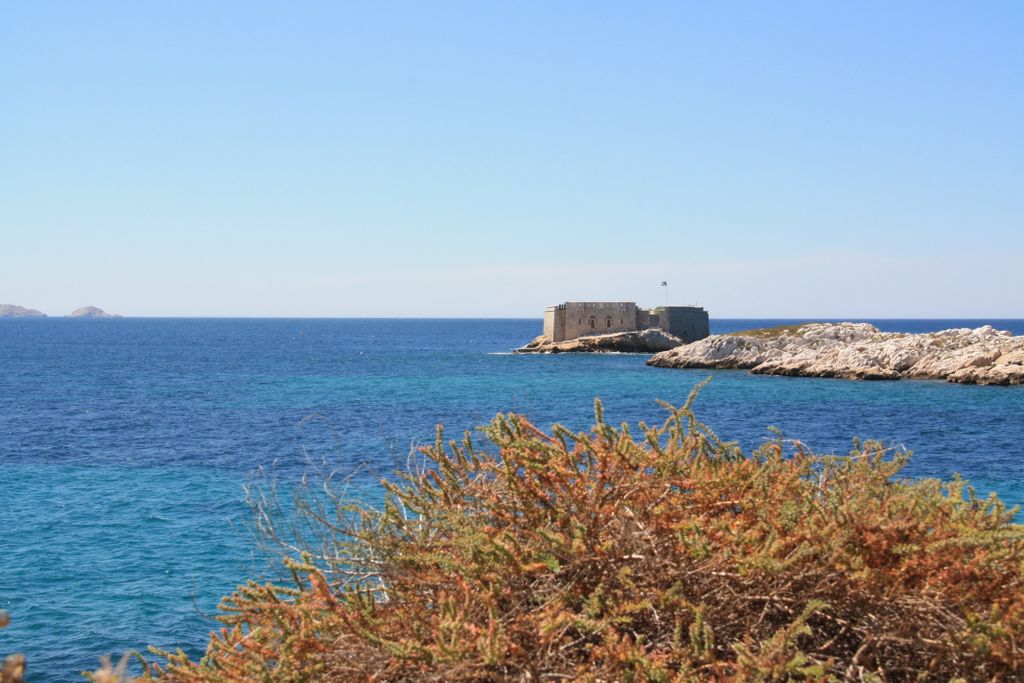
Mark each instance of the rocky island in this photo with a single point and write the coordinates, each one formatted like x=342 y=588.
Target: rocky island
x=859 y=351
x=91 y=312
x=642 y=341
x=12 y=311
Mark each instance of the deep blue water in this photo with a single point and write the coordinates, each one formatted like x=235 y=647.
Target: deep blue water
x=124 y=444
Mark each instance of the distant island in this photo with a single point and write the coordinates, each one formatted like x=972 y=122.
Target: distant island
x=12 y=311
x=91 y=312
x=859 y=351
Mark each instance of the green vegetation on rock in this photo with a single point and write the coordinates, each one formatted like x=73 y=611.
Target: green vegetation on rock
x=769 y=332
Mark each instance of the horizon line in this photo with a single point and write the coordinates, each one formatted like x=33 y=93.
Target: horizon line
x=809 y=318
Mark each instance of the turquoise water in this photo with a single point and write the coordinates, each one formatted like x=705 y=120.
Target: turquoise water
x=124 y=444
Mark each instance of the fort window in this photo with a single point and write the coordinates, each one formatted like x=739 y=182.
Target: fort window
x=608 y=321
x=593 y=321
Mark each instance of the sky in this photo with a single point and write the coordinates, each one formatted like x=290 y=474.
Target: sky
x=487 y=159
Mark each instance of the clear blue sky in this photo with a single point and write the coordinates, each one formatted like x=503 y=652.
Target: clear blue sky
x=490 y=158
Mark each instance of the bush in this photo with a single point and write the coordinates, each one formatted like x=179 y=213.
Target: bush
x=12 y=669
x=666 y=556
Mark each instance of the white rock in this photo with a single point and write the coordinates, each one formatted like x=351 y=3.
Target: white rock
x=860 y=351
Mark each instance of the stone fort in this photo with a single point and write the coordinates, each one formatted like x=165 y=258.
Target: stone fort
x=584 y=318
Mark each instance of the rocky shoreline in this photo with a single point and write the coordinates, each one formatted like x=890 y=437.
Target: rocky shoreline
x=859 y=351
x=644 y=341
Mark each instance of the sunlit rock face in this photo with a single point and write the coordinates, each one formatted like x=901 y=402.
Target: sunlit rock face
x=644 y=341
x=859 y=351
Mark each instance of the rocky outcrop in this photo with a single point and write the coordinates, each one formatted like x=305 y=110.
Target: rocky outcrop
x=12 y=311
x=859 y=351
x=645 y=341
x=90 y=312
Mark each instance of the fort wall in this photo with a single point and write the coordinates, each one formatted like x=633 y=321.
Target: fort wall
x=599 y=317
x=646 y=319
x=554 y=322
x=689 y=323
x=585 y=318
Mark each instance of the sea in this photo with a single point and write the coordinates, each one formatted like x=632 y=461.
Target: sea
x=126 y=445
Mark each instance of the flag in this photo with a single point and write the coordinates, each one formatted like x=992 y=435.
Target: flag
x=664 y=284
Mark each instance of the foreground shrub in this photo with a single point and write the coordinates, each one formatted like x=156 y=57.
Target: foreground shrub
x=668 y=556
x=12 y=669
